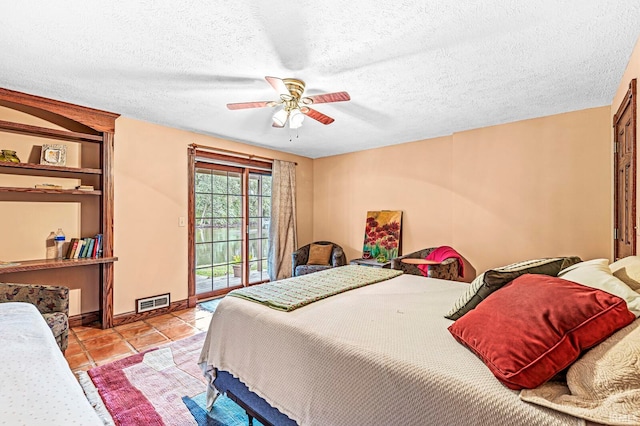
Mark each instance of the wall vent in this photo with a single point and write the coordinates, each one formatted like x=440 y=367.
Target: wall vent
x=151 y=303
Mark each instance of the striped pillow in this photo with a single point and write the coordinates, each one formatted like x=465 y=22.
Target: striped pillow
x=493 y=279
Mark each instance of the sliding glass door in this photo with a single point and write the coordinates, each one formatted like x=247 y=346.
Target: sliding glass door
x=231 y=227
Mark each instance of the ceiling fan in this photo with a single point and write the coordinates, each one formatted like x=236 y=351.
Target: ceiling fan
x=294 y=105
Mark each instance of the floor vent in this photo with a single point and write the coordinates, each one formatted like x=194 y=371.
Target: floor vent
x=151 y=303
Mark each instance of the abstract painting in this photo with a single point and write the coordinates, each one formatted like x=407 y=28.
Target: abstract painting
x=382 y=235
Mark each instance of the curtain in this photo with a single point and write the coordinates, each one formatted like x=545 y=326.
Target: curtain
x=283 y=239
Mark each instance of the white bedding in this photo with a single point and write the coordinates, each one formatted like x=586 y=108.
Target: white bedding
x=37 y=386
x=378 y=355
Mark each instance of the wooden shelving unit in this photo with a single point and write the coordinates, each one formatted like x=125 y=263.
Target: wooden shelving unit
x=43 y=132
x=40 y=264
x=49 y=191
x=83 y=126
x=50 y=170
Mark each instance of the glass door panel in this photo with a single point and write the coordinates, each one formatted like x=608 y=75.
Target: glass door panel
x=218 y=225
x=259 y=200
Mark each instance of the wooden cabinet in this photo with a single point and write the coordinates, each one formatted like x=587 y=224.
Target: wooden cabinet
x=93 y=132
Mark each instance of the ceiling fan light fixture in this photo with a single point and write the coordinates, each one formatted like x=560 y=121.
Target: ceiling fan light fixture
x=293 y=107
x=295 y=118
x=280 y=117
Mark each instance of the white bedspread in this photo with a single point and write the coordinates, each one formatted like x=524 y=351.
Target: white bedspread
x=377 y=355
x=37 y=386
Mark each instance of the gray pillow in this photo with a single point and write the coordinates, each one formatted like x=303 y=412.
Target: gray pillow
x=493 y=279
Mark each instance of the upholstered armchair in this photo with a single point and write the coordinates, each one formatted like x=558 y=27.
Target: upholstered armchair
x=447 y=270
x=300 y=259
x=52 y=302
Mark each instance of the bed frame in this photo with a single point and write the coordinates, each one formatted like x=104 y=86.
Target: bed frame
x=255 y=406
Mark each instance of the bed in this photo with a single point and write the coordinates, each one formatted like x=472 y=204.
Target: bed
x=378 y=354
x=38 y=388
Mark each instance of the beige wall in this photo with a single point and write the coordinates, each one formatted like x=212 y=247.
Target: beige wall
x=500 y=194
x=29 y=221
x=150 y=168
x=632 y=71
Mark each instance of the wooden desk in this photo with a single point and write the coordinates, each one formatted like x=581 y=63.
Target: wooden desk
x=417 y=261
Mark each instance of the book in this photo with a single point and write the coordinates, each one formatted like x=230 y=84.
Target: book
x=8 y=264
x=85 y=247
x=47 y=186
x=95 y=247
x=89 y=252
x=76 y=254
x=99 y=251
x=73 y=244
x=82 y=250
x=84 y=187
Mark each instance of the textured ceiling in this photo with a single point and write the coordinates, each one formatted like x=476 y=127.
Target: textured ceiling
x=415 y=69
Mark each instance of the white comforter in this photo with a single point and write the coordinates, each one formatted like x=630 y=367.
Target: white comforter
x=37 y=387
x=377 y=355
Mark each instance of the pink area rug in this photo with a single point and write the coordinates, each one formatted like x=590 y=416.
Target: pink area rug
x=163 y=386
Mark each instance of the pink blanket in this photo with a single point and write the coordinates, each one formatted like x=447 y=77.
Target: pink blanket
x=439 y=255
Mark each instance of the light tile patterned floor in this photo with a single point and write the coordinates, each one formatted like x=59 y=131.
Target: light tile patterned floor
x=90 y=346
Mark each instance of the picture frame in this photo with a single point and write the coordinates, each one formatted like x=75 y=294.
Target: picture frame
x=53 y=155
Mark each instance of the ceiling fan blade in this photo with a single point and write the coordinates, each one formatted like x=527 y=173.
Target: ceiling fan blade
x=245 y=105
x=278 y=85
x=317 y=115
x=328 y=97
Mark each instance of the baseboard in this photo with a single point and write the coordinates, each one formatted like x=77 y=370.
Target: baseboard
x=84 y=319
x=91 y=317
x=193 y=301
x=128 y=317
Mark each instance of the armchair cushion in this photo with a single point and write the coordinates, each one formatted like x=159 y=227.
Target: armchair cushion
x=52 y=302
x=319 y=254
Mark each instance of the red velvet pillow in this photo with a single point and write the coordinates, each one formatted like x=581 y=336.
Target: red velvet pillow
x=537 y=325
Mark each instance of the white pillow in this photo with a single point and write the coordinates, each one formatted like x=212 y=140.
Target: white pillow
x=596 y=274
x=603 y=386
x=627 y=270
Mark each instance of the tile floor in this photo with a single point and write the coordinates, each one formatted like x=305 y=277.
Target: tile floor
x=90 y=346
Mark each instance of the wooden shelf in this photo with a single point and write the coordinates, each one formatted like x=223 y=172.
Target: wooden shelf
x=49 y=168
x=48 y=191
x=39 y=264
x=43 y=132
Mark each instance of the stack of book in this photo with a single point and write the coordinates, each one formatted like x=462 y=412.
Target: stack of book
x=80 y=248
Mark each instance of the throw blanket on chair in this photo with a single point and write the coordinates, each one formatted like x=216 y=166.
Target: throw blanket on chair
x=440 y=254
x=293 y=293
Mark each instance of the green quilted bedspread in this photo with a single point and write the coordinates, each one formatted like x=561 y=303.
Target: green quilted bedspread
x=293 y=293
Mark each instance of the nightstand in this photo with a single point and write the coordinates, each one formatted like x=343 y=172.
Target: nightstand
x=371 y=262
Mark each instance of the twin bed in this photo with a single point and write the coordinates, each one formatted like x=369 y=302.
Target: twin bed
x=377 y=354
